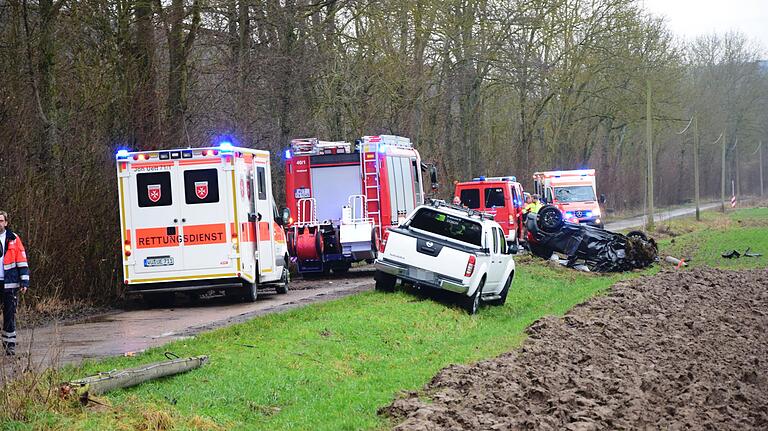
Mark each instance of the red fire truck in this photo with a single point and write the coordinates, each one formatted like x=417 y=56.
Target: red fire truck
x=344 y=196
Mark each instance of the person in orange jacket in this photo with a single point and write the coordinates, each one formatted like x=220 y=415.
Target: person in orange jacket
x=14 y=278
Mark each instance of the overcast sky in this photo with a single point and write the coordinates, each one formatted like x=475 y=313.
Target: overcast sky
x=691 y=18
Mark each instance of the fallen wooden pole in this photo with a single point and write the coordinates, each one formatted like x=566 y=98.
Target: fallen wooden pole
x=107 y=381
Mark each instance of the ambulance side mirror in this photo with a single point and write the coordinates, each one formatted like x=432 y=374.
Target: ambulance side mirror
x=602 y=198
x=285 y=216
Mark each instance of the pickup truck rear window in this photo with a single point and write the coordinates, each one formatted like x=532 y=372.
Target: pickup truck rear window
x=446 y=225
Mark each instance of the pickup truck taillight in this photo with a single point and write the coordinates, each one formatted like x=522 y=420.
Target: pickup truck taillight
x=470 y=266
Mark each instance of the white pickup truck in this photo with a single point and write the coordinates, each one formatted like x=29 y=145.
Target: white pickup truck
x=452 y=248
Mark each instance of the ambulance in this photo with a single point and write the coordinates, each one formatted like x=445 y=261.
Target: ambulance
x=500 y=196
x=573 y=191
x=194 y=220
x=345 y=196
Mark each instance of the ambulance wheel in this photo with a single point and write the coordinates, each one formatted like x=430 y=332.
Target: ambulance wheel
x=250 y=293
x=282 y=288
x=159 y=299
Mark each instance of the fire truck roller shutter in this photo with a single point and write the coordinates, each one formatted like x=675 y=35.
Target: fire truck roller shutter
x=332 y=186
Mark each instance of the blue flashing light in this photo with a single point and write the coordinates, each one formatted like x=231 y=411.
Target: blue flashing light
x=226 y=146
x=588 y=214
x=513 y=178
x=122 y=153
x=382 y=148
x=287 y=154
x=482 y=177
x=568 y=214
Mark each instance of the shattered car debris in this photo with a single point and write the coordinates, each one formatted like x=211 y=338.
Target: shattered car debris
x=600 y=250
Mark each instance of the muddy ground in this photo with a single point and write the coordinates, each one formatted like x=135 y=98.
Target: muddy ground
x=679 y=350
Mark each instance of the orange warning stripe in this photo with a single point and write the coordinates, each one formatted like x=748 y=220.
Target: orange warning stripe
x=200 y=162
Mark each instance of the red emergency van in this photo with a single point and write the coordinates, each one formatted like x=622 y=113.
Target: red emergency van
x=500 y=196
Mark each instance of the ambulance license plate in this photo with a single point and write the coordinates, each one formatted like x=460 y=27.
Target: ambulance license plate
x=301 y=193
x=158 y=261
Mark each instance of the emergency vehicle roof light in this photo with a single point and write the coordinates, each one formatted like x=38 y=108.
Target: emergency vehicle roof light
x=382 y=148
x=226 y=146
x=122 y=153
x=287 y=154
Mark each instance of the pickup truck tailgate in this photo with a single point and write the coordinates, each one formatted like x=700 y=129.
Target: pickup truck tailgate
x=426 y=254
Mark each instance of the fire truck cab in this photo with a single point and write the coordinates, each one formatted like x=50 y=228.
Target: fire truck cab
x=500 y=196
x=201 y=219
x=574 y=191
x=346 y=195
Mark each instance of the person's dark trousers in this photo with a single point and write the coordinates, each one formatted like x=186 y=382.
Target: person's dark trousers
x=10 y=300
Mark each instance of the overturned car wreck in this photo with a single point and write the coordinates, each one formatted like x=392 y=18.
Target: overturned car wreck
x=600 y=250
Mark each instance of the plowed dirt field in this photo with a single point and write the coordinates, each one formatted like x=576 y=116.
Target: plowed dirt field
x=678 y=350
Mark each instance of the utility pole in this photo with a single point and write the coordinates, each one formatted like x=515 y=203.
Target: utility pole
x=722 y=173
x=649 y=155
x=761 y=168
x=737 y=190
x=696 y=165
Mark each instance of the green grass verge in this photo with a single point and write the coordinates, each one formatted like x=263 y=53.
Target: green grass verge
x=330 y=366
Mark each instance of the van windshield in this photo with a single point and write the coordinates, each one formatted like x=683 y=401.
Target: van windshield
x=575 y=194
x=446 y=225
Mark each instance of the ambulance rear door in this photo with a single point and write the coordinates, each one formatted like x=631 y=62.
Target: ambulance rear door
x=265 y=238
x=152 y=204
x=206 y=203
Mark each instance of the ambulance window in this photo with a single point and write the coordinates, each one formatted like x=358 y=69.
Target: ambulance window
x=154 y=189
x=494 y=197
x=201 y=186
x=262 y=178
x=470 y=198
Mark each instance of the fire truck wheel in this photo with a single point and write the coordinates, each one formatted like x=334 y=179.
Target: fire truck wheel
x=282 y=288
x=318 y=243
x=385 y=282
x=159 y=299
x=550 y=219
x=341 y=269
x=250 y=292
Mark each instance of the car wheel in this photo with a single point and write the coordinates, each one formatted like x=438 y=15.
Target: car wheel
x=472 y=303
x=504 y=292
x=282 y=288
x=385 y=282
x=636 y=234
x=550 y=219
x=250 y=293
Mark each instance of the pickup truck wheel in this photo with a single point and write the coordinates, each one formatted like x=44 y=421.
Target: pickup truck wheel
x=472 y=303
x=385 y=282
x=504 y=292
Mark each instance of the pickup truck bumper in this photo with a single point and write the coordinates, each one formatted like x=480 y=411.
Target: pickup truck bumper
x=408 y=274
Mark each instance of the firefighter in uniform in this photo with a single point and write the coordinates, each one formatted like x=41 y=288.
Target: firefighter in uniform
x=14 y=278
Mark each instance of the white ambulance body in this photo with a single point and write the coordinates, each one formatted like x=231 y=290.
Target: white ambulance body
x=198 y=219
